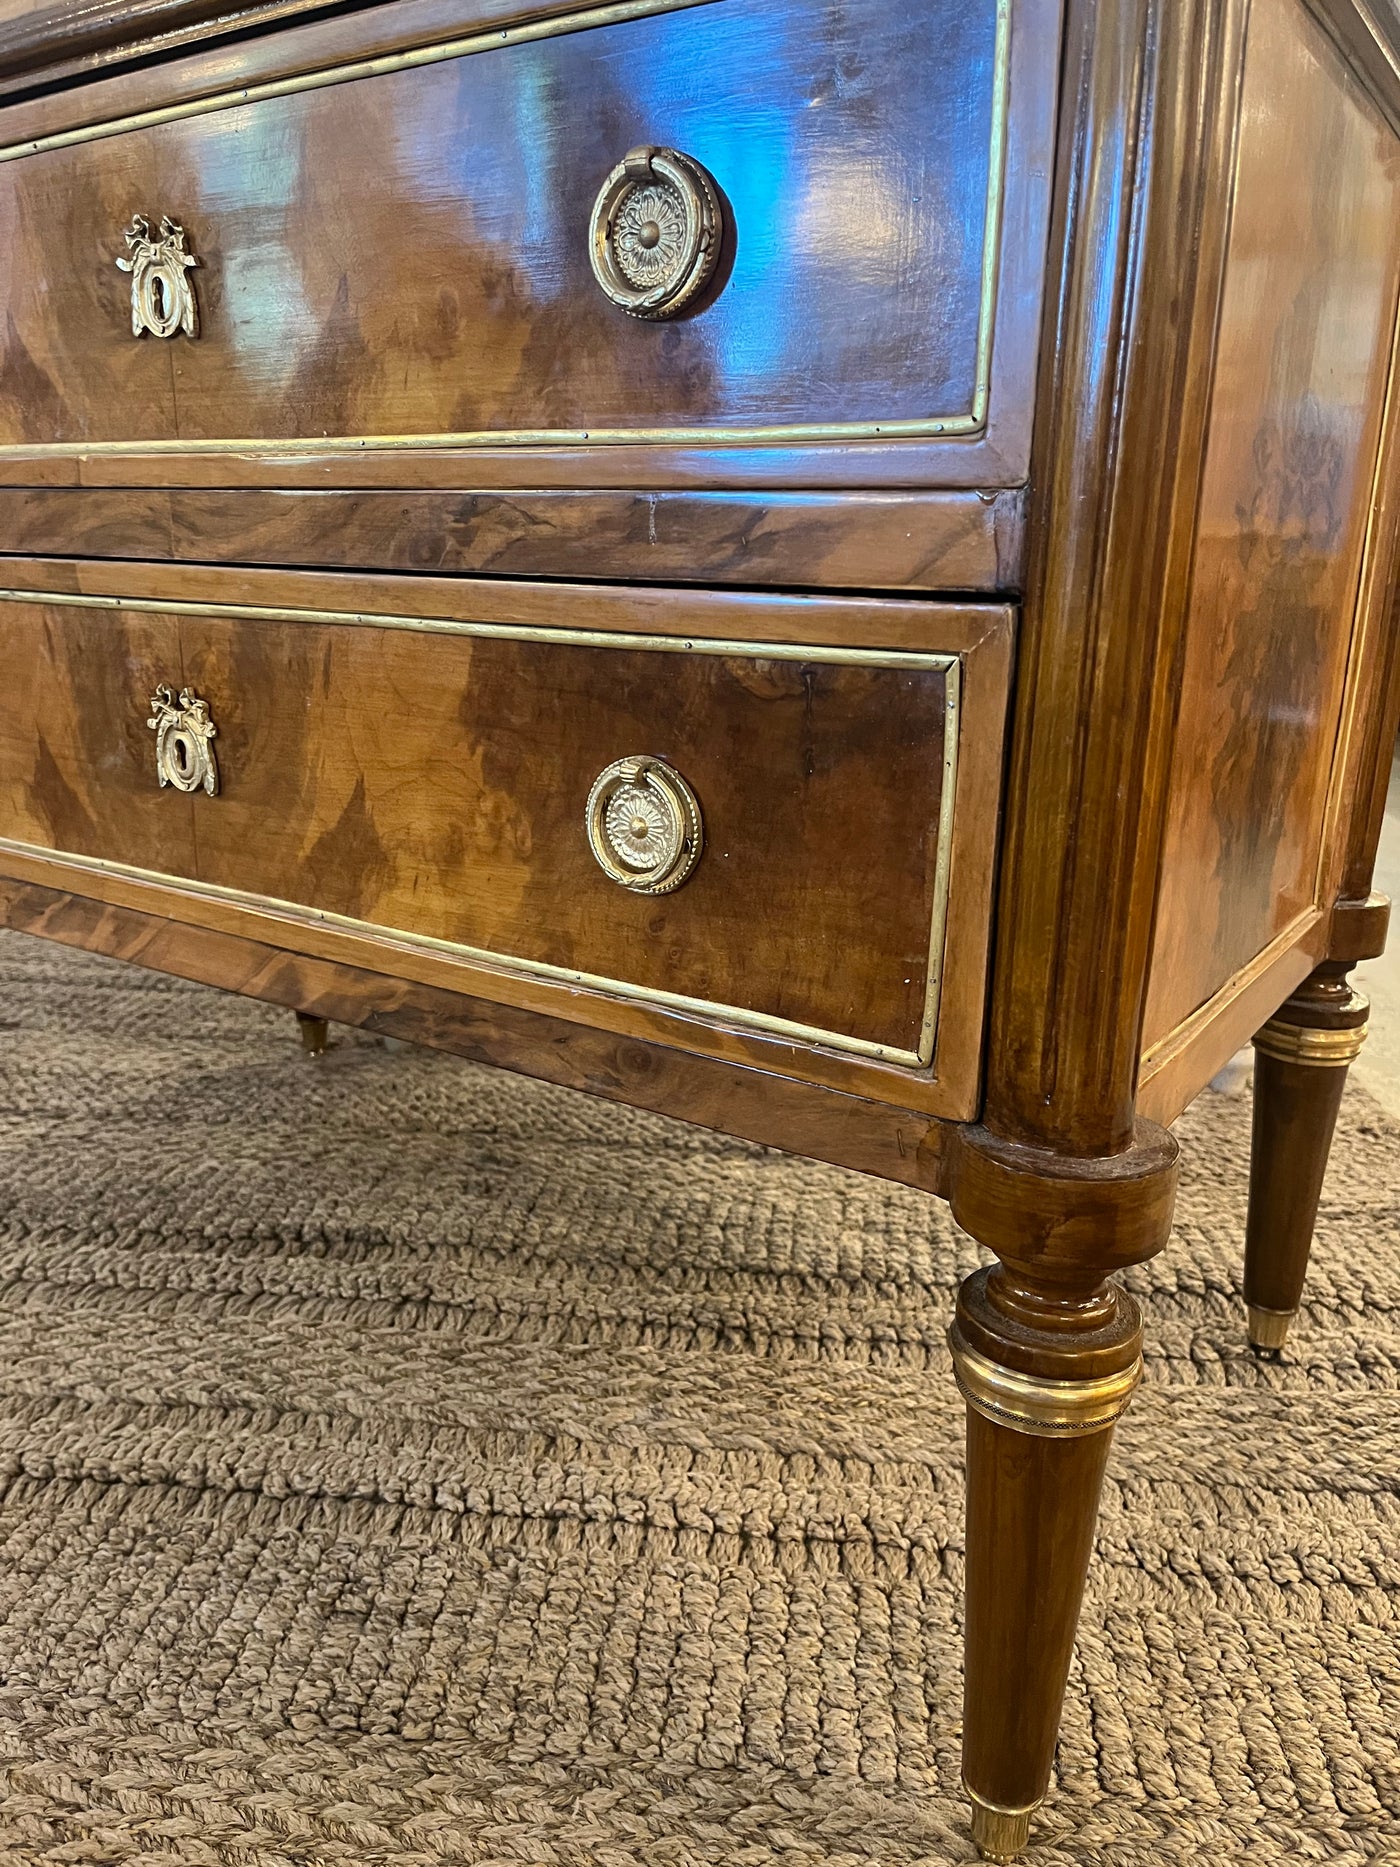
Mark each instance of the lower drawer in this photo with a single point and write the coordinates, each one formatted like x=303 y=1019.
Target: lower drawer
x=762 y=826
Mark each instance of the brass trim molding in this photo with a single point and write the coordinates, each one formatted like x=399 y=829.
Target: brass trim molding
x=1299 y=1043
x=493 y=38
x=943 y=662
x=999 y=1834
x=930 y=427
x=1043 y=1409
x=950 y=665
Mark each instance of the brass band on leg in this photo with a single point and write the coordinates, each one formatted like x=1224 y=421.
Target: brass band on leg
x=1268 y=1328
x=1299 y=1043
x=1044 y=1409
x=1000 y=1834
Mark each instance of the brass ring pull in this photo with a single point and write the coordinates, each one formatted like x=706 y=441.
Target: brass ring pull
x=162 y=297
x=644 y=825
x=184 y=741
x=655 y=234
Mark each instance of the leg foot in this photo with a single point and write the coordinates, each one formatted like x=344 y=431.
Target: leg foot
x=1268 y=1328
x=1000 y=1834
x=315 y=1033
x=1047 y=1351
x=1037 y=1445
x=1301 y=1062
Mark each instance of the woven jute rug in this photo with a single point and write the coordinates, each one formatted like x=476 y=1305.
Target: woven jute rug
x=407 y=1463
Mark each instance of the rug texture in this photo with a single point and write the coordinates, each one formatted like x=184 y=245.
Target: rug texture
x=405 y=1463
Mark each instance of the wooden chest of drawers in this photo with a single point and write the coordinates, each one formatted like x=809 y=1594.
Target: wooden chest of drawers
x=823 y=568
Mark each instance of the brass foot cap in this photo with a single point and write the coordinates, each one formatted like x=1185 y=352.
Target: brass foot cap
x=1268 y=1328
x=1000 y=1834
x=315 y=1034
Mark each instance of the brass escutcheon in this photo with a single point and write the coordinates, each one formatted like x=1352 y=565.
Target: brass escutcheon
x=184 y=734
x=162 y=297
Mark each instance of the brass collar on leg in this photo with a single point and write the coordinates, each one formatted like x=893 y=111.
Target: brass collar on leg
x=1000 y=1834
x=1044 y=1409
x=1298 y=1043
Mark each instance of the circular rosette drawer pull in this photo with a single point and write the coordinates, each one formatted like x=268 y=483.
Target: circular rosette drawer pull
x=656 y=232
x=644 y=825
x=184 y=741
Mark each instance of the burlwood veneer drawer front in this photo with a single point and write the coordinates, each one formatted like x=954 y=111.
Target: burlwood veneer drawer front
x=429 y=780
x=406 y=256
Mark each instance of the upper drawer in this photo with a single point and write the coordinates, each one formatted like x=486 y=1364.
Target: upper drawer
x=409 y=256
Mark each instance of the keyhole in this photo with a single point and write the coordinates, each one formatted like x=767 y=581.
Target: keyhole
x=159 y=299
x=182 y=756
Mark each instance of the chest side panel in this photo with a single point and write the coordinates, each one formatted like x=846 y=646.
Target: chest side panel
x=1307 y=323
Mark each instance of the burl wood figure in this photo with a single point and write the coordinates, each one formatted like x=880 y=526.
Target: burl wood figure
x=820 y=566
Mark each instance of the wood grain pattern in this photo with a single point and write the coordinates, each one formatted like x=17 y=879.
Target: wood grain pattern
x=861 y=541
x=873 y=1137
x=54 y=41
x=796 y=200
x=634 y=609
x=408 y=253
x=1306 y=333
x=435 y=784
x=1206 y=680
x=343 y=33
x=77 y=765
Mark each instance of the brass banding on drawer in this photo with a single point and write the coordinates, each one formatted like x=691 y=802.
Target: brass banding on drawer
x=407 y=264
x=443 y=783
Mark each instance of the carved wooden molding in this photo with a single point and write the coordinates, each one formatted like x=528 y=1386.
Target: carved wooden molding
x=58 y=41
x=1150 y=93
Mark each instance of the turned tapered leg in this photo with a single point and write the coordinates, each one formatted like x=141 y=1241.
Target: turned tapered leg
x=1047 y=1352
x=1301 y=1060
x=315 y=1033
x=1036 y=1451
